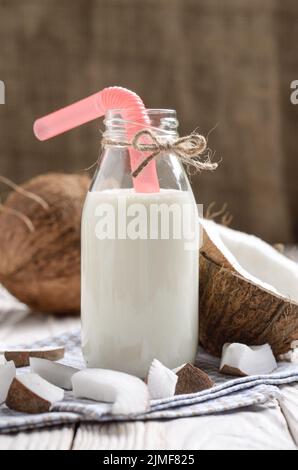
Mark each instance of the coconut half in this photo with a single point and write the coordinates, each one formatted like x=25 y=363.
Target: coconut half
x=248 y=291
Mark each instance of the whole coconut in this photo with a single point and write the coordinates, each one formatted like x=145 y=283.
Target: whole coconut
x=41 y=266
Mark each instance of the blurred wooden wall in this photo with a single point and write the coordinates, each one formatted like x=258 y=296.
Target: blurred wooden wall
x=227 y=64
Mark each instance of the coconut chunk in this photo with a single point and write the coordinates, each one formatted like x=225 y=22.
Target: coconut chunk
x=30 y=393
x=55 y=373
x=161 y=381
x=7 y=374
x=2 y=360
x=291 y=355
x=241 y=360
x=128 y=394
x=191 y=379
x=21 y=357
x=179 y=368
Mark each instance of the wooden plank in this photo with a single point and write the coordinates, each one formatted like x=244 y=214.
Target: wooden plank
x=129 y=436
x=18 y=325
x=256 y=427
x=261 y=427
x=289 y=407
x=45 y=439
x=244 y=429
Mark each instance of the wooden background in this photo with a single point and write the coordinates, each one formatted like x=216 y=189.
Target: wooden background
x=227 y=64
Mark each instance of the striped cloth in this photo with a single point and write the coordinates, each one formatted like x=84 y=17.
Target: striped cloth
x=227 y=394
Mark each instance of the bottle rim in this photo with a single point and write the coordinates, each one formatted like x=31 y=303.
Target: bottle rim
x=163 y=122
x=148 y=110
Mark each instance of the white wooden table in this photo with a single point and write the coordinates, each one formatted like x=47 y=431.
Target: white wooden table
x=270 y=426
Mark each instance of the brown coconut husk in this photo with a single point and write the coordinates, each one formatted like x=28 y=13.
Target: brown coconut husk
x=41 y=266
x=235 y=309
x=31 y=398
x=21 y=358
x=191 y=379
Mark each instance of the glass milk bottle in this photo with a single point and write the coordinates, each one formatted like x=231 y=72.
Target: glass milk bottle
x=139 y=259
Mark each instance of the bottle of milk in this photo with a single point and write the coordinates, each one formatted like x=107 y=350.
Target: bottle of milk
x=139 y=259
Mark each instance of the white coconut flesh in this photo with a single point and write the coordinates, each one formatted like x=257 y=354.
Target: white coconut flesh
x=41 y=387
x=255 y=260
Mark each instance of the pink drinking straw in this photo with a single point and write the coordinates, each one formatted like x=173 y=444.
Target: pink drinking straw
x=95 y=106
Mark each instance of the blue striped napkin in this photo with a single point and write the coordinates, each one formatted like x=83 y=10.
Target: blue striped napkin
x=227 y=394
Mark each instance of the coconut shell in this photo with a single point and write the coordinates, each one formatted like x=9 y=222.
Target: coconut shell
x=228 y=370
x=42 y=268
x=233 y=309
x=21 y=358
x=21 y=398
x=191 y=379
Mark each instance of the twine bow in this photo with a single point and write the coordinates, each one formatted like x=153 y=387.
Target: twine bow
x=189 y=149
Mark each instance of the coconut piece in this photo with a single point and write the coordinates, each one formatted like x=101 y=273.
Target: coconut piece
x=248 y=291
x=161 y=381
x=30 y=393
x=2 y=359
x=54 y=372
x=291 y=355
x=7 y=374
x=241 y=360
x=191 y=379
x=21 y=357
x=128 y=394
x=178 y=368
x=42 y=267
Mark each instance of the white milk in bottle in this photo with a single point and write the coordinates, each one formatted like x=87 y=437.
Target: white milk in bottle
x=139 y=262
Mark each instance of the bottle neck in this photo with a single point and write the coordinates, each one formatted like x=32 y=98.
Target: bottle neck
x=122 y=125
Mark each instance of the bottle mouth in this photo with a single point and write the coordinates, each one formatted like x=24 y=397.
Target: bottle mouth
x=163 y=122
